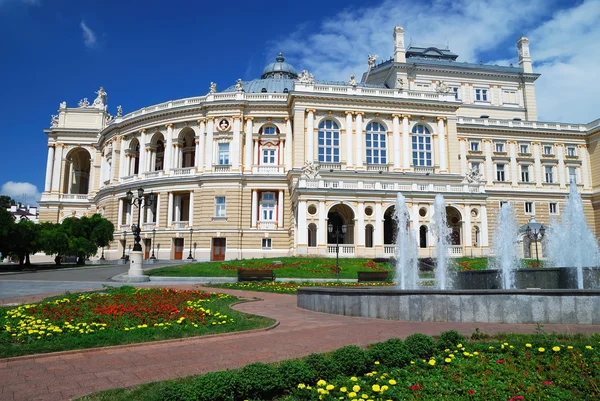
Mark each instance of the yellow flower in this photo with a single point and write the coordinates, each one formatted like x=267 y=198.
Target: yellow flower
x=321 y=383
x=570 y=347
x=376 y=362
x=588 y=347
x=448 y=360
x=555 y=349
x=459 y=346
x=352 y=394
x=412 y=362
x=356 y=388
x=392 y=382
x=364 y=396
x=330 y=387
x=343 y=389
x=353 y=379
x=376 y=388
x=301 y=386
x=541 y=349
x=475 y=353
x=432 y=362
x=383 y=388
x=528 y=345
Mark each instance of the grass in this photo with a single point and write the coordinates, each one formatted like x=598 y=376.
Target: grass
x=118 y=316
x=290 y=288
x=482 y=263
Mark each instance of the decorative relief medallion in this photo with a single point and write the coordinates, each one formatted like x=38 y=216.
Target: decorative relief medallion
x=223 y=125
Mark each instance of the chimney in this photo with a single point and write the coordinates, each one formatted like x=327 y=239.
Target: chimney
x=524 y=55
x=399 y=50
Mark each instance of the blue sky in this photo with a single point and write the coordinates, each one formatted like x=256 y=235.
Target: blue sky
x=149 y=52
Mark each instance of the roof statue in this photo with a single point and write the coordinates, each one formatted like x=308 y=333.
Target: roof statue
x=310 y=170
x=119 y=111
x=371 y=60
x=473 y=176
x=306 y=78
x=54 y=121
x=352 y=80
x=239 y=86
x=213 y=88
x=63 y=105
x=400 y=84
x=100 y=101
x=84 y=102
x=442 y=87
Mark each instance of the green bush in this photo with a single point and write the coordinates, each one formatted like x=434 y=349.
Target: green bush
x=291 y=373
x=258 y=381
x=350 y=360
x=450 y=339
x=420 y=346
x=213 y=386
x=391 y=353
x=322 y=365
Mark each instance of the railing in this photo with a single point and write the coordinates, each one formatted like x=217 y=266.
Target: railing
x=390 y=186
x=222 y=168
x=330 y=166
x=454 y=250
x=148 y=226
x=267 y=225
x=74 y=197
x=377 y=167
x=180 y=225
x=389 y=249
x=128 y=178
x=344 y=249
x=423 y=170
x=523 y=124
x=184 y=171
x=153 y=174
x=267 y=169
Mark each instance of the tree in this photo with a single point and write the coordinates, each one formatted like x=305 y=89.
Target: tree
x=86 y=234
x=6 y=202
x=23 y=240
x=6 y=226
x=54 y=240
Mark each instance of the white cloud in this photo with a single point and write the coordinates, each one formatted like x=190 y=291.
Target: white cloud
x=475 y=30
x=89 y=36
x=24 y=192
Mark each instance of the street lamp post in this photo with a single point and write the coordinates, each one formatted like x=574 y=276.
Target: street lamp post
x=190 y=255
x=124 y=243
x=153 y=236
x=195 y=244
x=135 y=257
x=536 y=235
x=337 y=234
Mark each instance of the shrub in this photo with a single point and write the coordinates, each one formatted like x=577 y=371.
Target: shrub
x=450 y=339
x=392 y=353
x=291 y=373
x=350 y=360
x=323 y=366
x=213 y=386
x=258 y=381
x=420 y=346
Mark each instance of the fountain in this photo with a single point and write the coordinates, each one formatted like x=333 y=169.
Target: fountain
x=406 y=248
x=570 y=240
x=442 y=232
x=504 y=245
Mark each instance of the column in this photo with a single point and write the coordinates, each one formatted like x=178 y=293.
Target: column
x=489 y=167
x=177 y=207
x=255 y=153
x=168 y=149
x=302 y=226
x=322 y=228
x=142 y=161
x=235 y=145
x=48 y=184
x=289 y=145
x=378 y=234
x=585 y=167
x=254 y=208
x=561 y=164
x=467 y=226
x=157 y=223
x=248 y=150
x=361 y=224
x=442 y=144
x=129 y=219
x=484 y=226
x=406 y=141
x=280 y=210
x=537 y=163
x=131 y=165
x=208 y=155
x=462 y=145
x=396 y=140
x=191 y=210
x=122 y=165
x=514 y=171
x=349 y=141
x=70 y=177
x=310 y=138
x=120 y=214
x=170 y=211
x=200 y=146
x=58 y=152
x=359 y=139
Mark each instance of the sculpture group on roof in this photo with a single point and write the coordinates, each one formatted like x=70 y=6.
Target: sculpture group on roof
x=306 y=78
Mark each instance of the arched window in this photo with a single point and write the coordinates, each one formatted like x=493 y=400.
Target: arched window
x=160 y=155
x=376 y=150
x=421 y=146
x=329 y=142
x=369 y=236
x=423 y=237
x=269 y=130
x=312 y=235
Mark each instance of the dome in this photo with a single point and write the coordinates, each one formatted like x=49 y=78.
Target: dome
x=279 y=69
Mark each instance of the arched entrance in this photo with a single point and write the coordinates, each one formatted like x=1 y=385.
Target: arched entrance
x=312 y=235
x=77 y=174
x=454 y=220
x=390 y=226
x=369 y=236
x=423 y=236
x=339 y=215
x=188 y=149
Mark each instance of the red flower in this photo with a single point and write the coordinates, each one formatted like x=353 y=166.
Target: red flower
x=548 y=383
x=415 y=387
x=499 y=361
x=471 y=391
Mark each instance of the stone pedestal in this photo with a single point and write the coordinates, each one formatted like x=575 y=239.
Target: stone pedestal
x=136 y=274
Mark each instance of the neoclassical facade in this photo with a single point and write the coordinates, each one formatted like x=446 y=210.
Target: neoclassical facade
x=263 y=167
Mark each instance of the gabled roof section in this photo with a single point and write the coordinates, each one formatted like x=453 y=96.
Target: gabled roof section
x=430 y=53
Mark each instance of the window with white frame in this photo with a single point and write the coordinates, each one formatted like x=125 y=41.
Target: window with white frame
x=456 y=91
x=224 y=153
x=529 y=208
x=423 y=86
x=475 y=146
x=548 y=174
x=573 y=175
x=524 y=173
x=571 y=151
x=510 y=97
x=421 y=146
x=269 y=130
x=219 y=206
x=269 y=155
x=548 y=150
x=553 y=208
x=481 y=95
x=329 y=142
x=500 y=147
x=500 y=173
x=375 y=144
x=524 y=148
x=266 y=243
x=267 y=206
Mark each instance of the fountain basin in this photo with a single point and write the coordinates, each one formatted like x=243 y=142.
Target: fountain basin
x=545 y=278
x=485 y=306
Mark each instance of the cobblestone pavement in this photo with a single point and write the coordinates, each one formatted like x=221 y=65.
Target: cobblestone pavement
x=63 y=376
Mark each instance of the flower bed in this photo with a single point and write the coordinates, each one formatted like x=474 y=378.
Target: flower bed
x=290 y=288
x=126 y=313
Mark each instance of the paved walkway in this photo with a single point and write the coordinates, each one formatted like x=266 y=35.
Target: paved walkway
x=64 y=376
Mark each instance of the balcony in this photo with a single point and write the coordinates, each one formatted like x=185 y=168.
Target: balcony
x=267 y=225
x=153 y=174
x=148 y=226
x=222 y=168
x=423 y=169
x=74 y=198
x=378 y=167
x=454 y=251
x=344 y=249
x=330 y=166
x=389 y=249
x=183 y=171
x=390 y=186
x=267 y=169
x=180 y=225
x=128 y=178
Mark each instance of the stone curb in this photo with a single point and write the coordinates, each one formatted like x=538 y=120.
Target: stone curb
x=137 y=345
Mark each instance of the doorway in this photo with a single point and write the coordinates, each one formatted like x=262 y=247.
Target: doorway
x=178 y=252
x=218 y=249
x=147 y=246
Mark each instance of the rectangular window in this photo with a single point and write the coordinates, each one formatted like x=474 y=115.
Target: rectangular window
x=529 y=208
x=223 y=153
x=475 y=146
x=548 y=150
x=375 y=149
x=329 y=146
x=571 y=152
x=500 y=147
x=267 y=206
x=524 y=148
x=421 y=146
x=553 y=208
x=509 y=97
x=266 y=243
x=525 y=173
x=573 y=175
x=268 y=156
x=548 y=173
x=500 y=172
x=481 y=95
x=219 y=206
x=456 y=91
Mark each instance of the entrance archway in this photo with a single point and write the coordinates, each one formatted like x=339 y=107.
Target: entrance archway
x=77 y=174
x=339 y=215
x=390 y=226
x=454 y=220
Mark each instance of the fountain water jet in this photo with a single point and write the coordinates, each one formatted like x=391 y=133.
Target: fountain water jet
x=442 y=232
x=406 y=248
x=505 y=237
x=570 y=240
